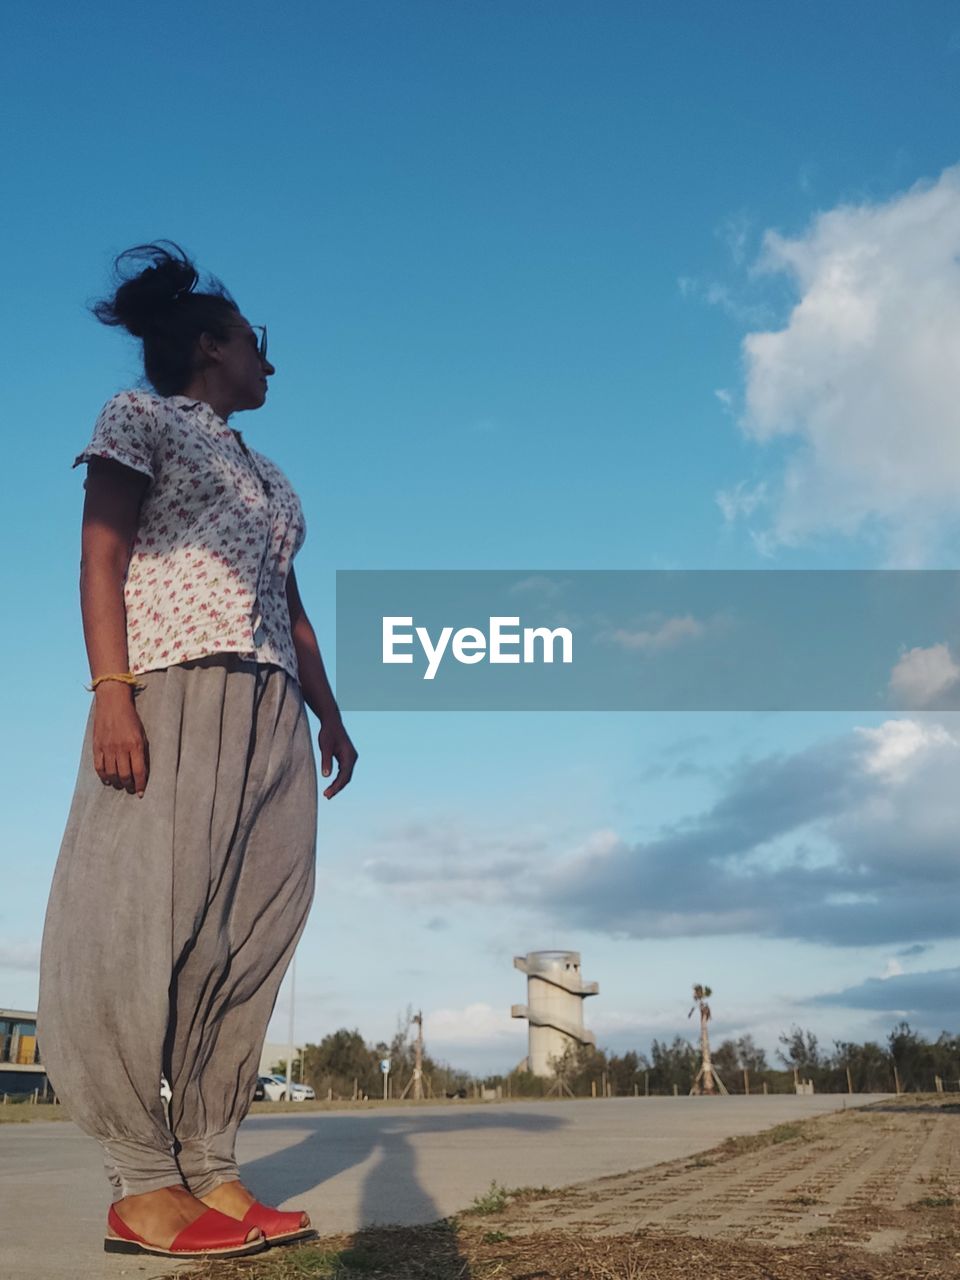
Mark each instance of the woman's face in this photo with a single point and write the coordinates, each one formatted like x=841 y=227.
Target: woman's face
x=243 y=371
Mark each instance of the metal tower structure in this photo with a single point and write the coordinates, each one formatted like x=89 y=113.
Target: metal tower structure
x=554 y=1008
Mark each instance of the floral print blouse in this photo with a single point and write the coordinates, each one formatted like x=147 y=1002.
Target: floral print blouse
x=219 y=527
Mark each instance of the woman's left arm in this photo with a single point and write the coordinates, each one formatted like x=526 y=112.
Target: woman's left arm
x=333 y=739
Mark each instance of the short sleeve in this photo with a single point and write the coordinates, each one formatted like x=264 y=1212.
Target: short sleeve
x=126 y=431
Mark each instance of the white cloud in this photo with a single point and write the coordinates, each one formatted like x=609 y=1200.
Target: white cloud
x=879 y=808
x=22 y=956
x=851 y=841
x=716 y=294
x=538 y=585
x=735 y=233
x=921 y=676
x=893 y=747
x=864 y=377
x=475 y=1024
x=661 y=634
x=742 y=500
x=929 y=999
x=726 y=398
x=599 y=843
x=426 y=863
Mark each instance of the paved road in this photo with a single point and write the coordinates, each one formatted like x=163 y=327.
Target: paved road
x=352 y=1169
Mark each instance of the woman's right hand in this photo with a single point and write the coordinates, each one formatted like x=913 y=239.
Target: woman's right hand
x=121 y=753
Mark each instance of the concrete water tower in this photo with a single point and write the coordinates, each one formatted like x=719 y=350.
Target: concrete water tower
x=554 y=1008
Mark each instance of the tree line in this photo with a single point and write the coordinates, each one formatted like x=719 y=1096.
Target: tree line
x=343 y=1062
x=906 y=1062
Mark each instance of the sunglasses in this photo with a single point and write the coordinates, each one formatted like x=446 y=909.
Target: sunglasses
x=260 y=329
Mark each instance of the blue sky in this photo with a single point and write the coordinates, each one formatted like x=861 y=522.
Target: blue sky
x=548 y=286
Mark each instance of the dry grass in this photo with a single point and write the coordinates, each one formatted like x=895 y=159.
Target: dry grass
x=768 y=1137
x=28 y=1112
x=455 y=1249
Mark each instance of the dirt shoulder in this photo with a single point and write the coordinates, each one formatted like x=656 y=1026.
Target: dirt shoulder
x=866 y=1194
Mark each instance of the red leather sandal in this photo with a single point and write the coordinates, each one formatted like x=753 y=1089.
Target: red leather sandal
x=278 y=1225
x=213 y=1234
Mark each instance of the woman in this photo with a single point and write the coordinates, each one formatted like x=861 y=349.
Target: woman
x=187 y=865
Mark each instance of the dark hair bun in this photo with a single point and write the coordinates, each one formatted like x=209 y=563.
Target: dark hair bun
x=157 y=300
x=143 y=298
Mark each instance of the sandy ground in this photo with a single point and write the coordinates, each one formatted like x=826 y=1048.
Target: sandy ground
x=852 y=1176
x=871 y=1192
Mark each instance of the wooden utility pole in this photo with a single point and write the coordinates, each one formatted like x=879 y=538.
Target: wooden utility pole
x=561 y=1088
x=291 y=1047
x=418 y=1059
x=417 y=1079
x=849 y=1081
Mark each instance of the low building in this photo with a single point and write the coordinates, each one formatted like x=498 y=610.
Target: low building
x=274 y=1053
x=21 y=1070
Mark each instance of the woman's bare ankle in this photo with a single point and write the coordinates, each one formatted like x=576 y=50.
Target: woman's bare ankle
x=177 y=1188
x=234 y=1199
x=230 y=1197
x=160 y=1216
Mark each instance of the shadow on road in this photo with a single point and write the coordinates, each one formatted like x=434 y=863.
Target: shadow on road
x=392 y=1197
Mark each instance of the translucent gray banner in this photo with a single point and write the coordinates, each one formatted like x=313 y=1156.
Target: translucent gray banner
x=648 y=640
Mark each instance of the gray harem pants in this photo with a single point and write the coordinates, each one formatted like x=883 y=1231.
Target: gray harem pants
x=172 y=920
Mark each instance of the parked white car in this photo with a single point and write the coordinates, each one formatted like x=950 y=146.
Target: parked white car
x=275 y=1089
x=273 y=1092
x=166 y=1093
